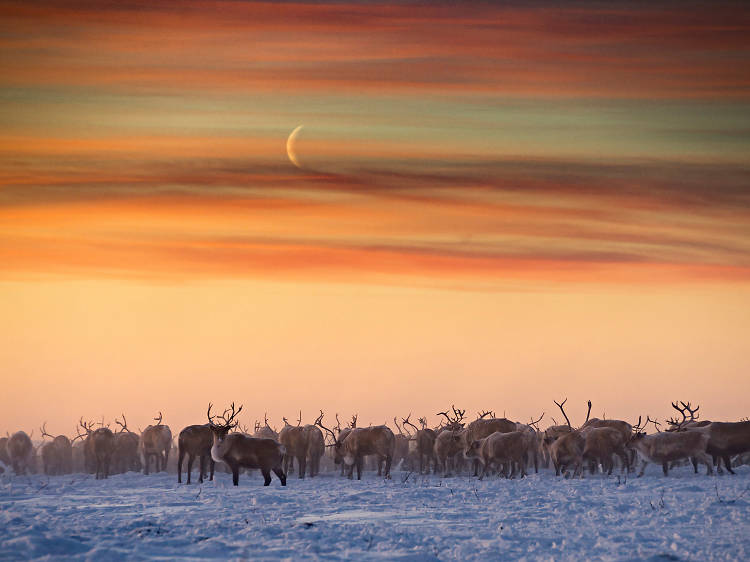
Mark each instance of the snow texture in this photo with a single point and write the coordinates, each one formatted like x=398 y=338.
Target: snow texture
x=411 y=517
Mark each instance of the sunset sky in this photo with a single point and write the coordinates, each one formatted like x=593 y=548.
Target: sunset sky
x=496 y=206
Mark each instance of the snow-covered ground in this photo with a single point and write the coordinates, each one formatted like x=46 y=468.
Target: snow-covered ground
x=682 y=517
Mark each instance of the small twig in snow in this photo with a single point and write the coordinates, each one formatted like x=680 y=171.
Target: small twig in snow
x=722 y=500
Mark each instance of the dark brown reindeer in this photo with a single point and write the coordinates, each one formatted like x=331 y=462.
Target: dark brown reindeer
x=242 y=451
x=99 y=444
x=195 y=441
x=156 y=442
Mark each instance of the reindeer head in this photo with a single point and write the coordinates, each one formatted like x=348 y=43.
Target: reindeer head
x=220 y=430
x=472 y=451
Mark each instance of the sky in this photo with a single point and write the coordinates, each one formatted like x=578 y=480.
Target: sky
x=497 y=205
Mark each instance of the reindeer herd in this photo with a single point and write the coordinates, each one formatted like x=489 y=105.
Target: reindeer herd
x=486 y=444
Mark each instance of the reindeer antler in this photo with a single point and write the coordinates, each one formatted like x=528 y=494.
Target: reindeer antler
x=407 y=422
x=319 y=423
x=43 y=429
x=534 y=423
x=397 y=426
x=228 y=421
x=158 y=419
x=458 y=413
x=692 y=412
x=123 y=425
x=588 y=413
x=673 y=421
x=319 y=418
x=563 y=411
x=353 y=423
x=656 y=423
x=481 y=415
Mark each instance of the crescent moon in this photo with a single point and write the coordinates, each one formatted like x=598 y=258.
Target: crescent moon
x=290 y=146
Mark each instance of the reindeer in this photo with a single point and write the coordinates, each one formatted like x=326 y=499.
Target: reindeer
x=265 y=431
x=601 y=444
x=401 y=449
x=338 y=439
x=484 y=427
x=237 y=450
x=510 y=448
x=20 y=452
x=533 y=441
x=668 y=446
x=4 y=456
x=565 y=445
x=99 y=444
x=378 y=440
x=57 y=456
x=450 y=442
x=425 y=438
x=316 y=446
x=725 y=439
x=102 y=446
x=156 y=442
x=125 y=457
x=195 y=441
x=83 y=459
x=294 y=439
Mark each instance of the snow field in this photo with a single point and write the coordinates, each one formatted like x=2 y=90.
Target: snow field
x=411 y=517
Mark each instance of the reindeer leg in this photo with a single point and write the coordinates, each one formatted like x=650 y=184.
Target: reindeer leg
x=388 y=461
x=301 y=464
x=191 y=458
x=235 y=473
x=665 y=468
x=212 y=465
x=202 y=464
x=266 y=476
x=180 y=457
x=280 y=473
x=728 y=464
